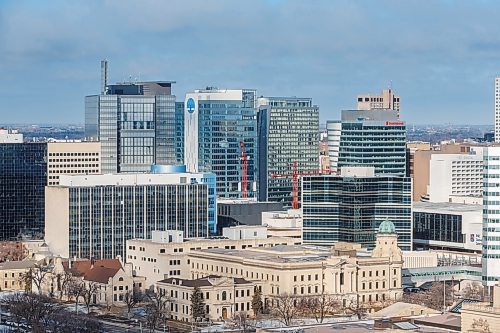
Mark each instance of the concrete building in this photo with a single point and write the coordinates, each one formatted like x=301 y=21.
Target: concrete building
x=10 y=136
x=72 y=158
x=455 y=175
x=386 y=100
x=334 y=131
x=93 y=216
x=345 y=271
x=135 y=123
x=450 y=226
x=215 y=122
x=288 y=134
x=284 y=224
x=491 y=216
x=165 y=255
x=23 y=176
x=349 y=207
x=233 y=212
x=497 y=109
x=224 y=297
x=374 y=138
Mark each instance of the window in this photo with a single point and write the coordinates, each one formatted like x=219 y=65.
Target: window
x=224 y=296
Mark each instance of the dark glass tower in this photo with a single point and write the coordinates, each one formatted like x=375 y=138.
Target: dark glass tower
x=23 y=177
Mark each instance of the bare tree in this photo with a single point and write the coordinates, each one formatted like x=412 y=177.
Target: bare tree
x=63 y=281
x=285 y=308
x=474 y=291
x=88 y=293
x=76 y=289
x=320 y=306
x=156 y=308
x=435 y=297
x=12 y=251
x=35 y=276
x=357 y=308
x=131 y=298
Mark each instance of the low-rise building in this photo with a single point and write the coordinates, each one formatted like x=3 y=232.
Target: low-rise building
x=284 y=224
x=223 y=296
x=166 y=254
x=482 y=317
x=11 y=274
x=346 y=270
x=451 y=226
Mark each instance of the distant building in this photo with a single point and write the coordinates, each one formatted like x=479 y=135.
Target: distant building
x=72 y=158
x=450 y=226
x=482 y=316
x=349 y=207
x=93 y=216
x=23 y=176
x=386 y=100
x=242 y=212
x=371 y=138
x=136 y=125
x=215 y=122
x=11 y=274
x=10 y=136
x=288 y=130
x=334 y=131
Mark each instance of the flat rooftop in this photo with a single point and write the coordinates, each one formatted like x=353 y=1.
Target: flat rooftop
x=124 y=179
x=447 y=206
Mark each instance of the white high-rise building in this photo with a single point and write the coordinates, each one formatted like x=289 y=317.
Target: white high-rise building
x=334 y=131
x=491 y=215
x=497 y=109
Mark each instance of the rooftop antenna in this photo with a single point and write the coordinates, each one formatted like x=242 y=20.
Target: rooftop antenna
x=104 y=77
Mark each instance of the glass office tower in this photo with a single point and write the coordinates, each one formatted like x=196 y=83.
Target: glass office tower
x=350 y=209
x=288 y=132
x=23 y=177
x=373 y=138
x=215 y=122
x=136 y=124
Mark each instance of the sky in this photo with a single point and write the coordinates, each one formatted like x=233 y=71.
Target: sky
x=441 y=57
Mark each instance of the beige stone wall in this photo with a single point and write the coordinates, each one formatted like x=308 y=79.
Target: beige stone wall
x=11 y=279
x=57 y=220
x=479 y=317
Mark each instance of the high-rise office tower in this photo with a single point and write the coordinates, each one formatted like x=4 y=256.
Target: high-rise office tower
x=333 y=132
x=179 y=133
x=215 y=122
x=288 y=133
x=351 y=206
x=373 y=138
x=93 y=216
x=135 y=123
x=386 y=100
x=497 y=109
x=23 y=177
x=491 y=216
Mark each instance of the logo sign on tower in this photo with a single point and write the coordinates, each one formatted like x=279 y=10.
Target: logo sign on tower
x=190 y=105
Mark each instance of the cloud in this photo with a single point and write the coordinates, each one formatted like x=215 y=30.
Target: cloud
x=440 y=56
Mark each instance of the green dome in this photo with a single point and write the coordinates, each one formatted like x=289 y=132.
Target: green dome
x=386 y=227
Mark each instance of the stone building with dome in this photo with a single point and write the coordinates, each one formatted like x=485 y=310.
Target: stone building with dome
x=346 y=270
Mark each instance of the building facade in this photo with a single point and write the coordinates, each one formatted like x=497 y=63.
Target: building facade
x=215 y=122
x=450 y=226
x=93 y=216
x=72 y=158
x=491 y=216
x=373 y=138
x=224 y=297
x=10 y=136
x=350 y=208
x=136 y=125
x=345 y=271
x=165 y=255
x=334 y=131
x=386 y=100
x=497 y=109
x=23 y=176
x=288 y=133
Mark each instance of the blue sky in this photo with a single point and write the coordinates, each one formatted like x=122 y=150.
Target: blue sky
x=441 y=56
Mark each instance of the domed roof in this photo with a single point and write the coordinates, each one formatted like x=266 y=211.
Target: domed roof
x=386 y=227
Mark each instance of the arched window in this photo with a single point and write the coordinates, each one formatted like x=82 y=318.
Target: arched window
x=120 y=279
x=223 y=295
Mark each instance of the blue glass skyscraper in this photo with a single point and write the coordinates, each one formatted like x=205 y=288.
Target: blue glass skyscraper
x=215 y=121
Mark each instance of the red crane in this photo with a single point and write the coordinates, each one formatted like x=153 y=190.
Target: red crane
x=244 y=170
x=295 y=182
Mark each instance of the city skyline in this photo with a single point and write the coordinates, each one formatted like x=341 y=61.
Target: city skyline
x=443 y=69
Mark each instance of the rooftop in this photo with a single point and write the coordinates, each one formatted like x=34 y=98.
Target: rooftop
x=23 y=264
x=94 y=270
x=204 y=281
x=447 y=206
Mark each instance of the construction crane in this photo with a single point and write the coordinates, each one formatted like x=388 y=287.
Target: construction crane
x=244 y=171
x=295 y=182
